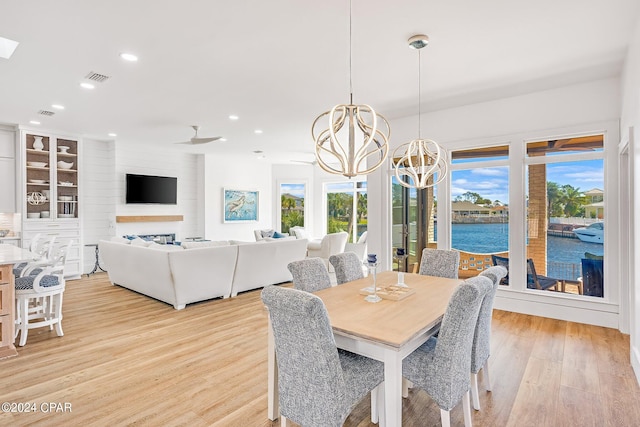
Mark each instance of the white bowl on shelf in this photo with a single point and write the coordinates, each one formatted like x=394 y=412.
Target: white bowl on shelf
x=65 y=198
x=37 y=164
x=65 y=165
x=37 y=181
x=66 y=183
x=33 y=214
x=63 y=149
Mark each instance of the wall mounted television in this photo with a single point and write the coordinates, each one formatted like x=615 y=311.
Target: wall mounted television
x=143 y=189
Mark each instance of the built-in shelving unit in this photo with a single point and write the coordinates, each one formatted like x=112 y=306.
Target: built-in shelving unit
x=51 y=202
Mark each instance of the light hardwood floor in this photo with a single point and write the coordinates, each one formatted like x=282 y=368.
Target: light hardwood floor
x=127 y=359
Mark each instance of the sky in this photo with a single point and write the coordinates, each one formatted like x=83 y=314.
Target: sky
x=493 y=183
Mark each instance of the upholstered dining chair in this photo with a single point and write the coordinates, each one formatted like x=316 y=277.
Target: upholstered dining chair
x=442 y=366
x=309 y=274
x=481 y=349
x=440 y=263
x=348 y=267
x=318 y=384
x=39 y=296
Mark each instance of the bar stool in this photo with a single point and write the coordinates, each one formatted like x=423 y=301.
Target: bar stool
x=39 y=297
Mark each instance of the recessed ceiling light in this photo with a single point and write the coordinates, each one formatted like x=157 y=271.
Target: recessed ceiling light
x=7 y=47
x=86 y=85
x=57 y=106
x=113 y=134
x=233 y=117
x=129 y=57
x=258 y=151
x=34 y=122
x=257 y=131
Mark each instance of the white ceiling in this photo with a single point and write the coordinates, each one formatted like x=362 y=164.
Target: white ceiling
x=279 y=63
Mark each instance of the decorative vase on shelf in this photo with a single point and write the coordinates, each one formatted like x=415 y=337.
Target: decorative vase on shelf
x=37 y=143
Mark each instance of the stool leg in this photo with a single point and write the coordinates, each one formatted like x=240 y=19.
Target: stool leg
x=59 y=315
x=24 y=321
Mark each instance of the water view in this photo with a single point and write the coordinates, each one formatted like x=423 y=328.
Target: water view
x=490 y=238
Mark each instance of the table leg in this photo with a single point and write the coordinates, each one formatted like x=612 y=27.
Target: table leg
x=273 y=409
x=392 y=388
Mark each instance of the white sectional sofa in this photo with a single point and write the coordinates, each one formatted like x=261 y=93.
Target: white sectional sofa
x=181 y=276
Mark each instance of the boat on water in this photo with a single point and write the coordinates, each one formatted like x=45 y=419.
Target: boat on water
x=594 y=233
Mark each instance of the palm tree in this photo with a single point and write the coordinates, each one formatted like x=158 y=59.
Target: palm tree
x=555 y=196
x=573 y=200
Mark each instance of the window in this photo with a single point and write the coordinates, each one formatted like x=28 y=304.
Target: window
x=346 y=204
x=480 y=207
x=565 y=213
x=292 y=196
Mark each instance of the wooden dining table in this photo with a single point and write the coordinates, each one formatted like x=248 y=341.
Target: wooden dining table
x=388 y=330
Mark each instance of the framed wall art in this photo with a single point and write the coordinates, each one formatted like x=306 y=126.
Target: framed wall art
x=240 y=205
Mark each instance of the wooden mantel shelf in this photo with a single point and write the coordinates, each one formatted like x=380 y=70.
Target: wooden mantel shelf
x=149 y=218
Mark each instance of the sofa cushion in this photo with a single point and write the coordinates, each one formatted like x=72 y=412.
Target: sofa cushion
x=140 y=242
x=119 y=239
x=207 y=244
x=167 y=248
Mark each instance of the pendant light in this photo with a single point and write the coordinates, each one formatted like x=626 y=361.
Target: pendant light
x=356 y=139
x=422 y=161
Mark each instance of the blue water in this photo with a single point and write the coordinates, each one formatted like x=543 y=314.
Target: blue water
x=488 y=238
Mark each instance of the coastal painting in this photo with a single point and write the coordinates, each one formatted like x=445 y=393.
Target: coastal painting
x=240 y=205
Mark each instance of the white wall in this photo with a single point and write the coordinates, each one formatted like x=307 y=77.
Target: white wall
x=138 y=159
x=236 y=173
x=593 y=106
x=630 y=118
x=98 y=195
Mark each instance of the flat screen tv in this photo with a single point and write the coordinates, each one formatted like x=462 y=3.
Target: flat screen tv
x=151 y=189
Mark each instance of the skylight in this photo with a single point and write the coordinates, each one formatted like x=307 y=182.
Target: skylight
x=7 y=47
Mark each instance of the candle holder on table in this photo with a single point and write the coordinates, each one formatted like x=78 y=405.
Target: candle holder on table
x=372 y=265
x=400 y=256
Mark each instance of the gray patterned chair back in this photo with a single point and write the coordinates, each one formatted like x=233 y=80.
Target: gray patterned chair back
x=348 y=267
x=309 y=274
x=452 y=357
x=310 y=380
x=440 y=263
x=482 y=338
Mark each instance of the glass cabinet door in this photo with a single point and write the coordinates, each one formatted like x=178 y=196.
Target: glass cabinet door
x=66 y=157
x=38 y=176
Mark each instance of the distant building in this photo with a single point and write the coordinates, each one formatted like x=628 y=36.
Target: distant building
x=595 y=208
x=461 y=210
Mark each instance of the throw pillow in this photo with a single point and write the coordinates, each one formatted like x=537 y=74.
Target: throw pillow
x=267 y=233
x=277 y=235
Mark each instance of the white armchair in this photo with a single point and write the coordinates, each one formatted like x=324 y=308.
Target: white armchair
x=299 y=232
x=359 y=248
x=331 y=244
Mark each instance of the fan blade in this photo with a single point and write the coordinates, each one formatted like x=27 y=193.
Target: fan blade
x=306 y=162
x=204 y=140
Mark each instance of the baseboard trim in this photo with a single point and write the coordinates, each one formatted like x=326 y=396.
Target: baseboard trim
x=635 y=362
x=604 y=315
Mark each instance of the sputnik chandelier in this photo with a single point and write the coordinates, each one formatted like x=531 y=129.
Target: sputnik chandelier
x=422 y=161
x=356 y=141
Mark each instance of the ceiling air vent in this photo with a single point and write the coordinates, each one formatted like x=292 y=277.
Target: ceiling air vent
x=96 y=77
x=46 y=113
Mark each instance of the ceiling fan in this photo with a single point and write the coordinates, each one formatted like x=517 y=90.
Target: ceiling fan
x=195 y=140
